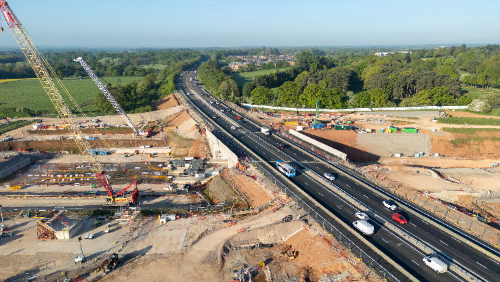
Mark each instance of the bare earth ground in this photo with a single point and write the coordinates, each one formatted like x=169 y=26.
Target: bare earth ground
x=255 y=195
x=167 y=102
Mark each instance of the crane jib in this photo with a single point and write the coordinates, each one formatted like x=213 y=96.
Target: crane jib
x=10 y=18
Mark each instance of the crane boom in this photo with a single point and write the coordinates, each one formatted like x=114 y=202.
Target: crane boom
x=43 y=72
x=106 y=93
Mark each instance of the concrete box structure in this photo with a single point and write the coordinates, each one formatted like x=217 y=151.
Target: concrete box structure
x=14 y=164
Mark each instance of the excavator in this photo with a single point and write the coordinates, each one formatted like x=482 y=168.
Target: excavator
x=110 y=264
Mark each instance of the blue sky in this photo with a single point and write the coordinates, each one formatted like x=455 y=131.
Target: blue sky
x=225 y=23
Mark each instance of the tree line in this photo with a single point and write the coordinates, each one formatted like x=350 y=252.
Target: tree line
x=343 y=78
x=133 y=97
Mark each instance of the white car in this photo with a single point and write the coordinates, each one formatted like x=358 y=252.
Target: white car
x=362 y=215
x=329 y=176
x=89 y=236
x=390 y=204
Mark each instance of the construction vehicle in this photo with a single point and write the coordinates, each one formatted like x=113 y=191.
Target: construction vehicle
x=80 y=258
x=110 y=264
x=52 y=85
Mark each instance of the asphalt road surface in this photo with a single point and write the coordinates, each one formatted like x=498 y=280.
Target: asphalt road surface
x=395 y=247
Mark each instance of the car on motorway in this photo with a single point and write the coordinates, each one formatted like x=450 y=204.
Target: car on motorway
x=281 y=146
x=390 y=204
x=217 y=102
x=233 y=127
x=214 y=117
x=399 y=218
x=211 y=102
x=362 y=215
x=329 y=176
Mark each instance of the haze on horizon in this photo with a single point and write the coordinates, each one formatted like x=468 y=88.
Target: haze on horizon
x=224 y=23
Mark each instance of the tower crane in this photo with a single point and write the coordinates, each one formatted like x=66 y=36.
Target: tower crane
x=44 y=71
x=110 y=97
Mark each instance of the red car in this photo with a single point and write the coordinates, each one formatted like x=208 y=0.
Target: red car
x=399 y=218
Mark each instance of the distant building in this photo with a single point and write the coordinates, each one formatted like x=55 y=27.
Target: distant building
x=383 y=54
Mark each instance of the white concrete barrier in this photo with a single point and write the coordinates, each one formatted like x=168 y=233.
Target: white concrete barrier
x=318 y=144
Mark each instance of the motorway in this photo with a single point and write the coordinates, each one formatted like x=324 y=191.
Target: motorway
x=394 y=246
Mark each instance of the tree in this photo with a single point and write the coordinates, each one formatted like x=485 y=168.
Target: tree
x=262 y=96
x=362 y=99
x=379 y=98
x=288 y=94
x=224 y=90
x=247 y=89
x=479 y=105
x=311 y=92
x=423 y=97
x=226 y=70
x=464 y=100
x=335 y=98
x=493 y=99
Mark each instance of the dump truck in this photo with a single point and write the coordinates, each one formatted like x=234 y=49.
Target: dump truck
x=265 y=130
x=364 y=226
x=436 y=264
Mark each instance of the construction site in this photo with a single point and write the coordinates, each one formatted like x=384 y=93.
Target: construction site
x=157 y=196
x=150 y=197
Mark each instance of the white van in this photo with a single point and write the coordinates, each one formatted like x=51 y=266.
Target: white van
x=436 y=264
x=364 y=226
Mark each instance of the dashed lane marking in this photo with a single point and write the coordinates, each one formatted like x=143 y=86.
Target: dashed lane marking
x=443 y=242
x=481 y=265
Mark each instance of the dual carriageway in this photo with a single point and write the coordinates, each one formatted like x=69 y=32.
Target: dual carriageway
x=447 y=241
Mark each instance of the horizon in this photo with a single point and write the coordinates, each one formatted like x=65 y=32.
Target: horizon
x=195 y=24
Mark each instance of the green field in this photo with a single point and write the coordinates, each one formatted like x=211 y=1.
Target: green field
x=469 y=120
x=243 y=77
x=155 y=66
x=476 y=93
x=470 y=131
x=28 y=93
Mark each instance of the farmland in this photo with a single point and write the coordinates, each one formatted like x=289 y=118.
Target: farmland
x=243 y=77
x=28 y=93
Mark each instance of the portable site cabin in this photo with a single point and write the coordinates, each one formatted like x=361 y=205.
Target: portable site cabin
x=342 y=127
x=392 y=129
x=410 y=130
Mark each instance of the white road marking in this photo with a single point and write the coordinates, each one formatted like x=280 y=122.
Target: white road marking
x=443 y=242
x=481 y=265
x=455 y=239
x=415 y=262
x=366 y=196
x=413 y=224
x=321 y=194
x=494 y=261
x=425 y=222
x=385 y=240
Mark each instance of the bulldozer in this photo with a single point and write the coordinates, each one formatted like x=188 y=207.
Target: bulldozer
x=110 y=264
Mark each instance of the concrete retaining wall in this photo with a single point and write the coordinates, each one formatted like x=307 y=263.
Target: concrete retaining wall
x=219 y=149
x=320 y=145
x=14 y=164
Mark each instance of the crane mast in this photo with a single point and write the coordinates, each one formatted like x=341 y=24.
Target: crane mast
x=43 y=72
x=106 y=93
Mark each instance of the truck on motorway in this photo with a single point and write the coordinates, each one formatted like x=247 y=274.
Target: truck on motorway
x=364 y=226
x=265 y=130
x=436 y=264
